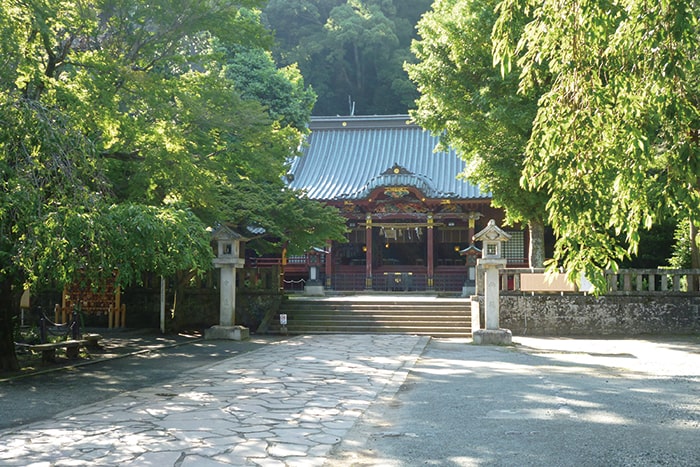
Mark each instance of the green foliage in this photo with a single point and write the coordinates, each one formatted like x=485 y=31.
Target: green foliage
x=280 y=91
x=55 y=217
x=473 y=109
x=171 y=119
x=123 y=135
x=126 y=238
x=615 y=140
x=655 y=246
x=349 y=50
x=464 y=100
x=44 y=166
x=681 y=257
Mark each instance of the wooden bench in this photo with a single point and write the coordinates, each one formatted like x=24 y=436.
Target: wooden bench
x=48 y=350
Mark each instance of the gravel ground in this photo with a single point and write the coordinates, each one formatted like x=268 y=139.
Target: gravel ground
x=558 y=402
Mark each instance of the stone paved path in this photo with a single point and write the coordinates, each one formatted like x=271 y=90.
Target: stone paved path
x=284 y=405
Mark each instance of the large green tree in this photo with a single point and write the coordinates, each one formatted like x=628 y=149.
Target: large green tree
x=123 y=136
x=58 y=220
x=465 y=100
x=350 y=51
x=615 y=139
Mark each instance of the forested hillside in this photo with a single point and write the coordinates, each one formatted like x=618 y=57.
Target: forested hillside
x=351 y=52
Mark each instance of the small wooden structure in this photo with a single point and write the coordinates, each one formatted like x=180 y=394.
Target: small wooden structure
x=105 y=301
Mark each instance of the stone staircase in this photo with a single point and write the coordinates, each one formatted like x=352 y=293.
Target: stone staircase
x=417 y=315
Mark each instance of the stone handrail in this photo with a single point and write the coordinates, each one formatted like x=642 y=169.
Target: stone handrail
x=624 y=281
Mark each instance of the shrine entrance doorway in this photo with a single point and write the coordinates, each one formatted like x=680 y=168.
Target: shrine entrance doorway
x=399 y=244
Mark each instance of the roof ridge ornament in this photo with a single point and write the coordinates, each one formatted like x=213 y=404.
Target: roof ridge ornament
x=396 y=169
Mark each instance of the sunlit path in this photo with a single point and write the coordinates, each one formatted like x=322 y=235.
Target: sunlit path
x=289 y=402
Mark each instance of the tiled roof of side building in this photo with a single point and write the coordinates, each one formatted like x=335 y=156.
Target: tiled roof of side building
x=347 y=157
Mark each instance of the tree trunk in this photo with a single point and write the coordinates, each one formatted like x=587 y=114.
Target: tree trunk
x=358 y=69
x=536 y=250
x=694 y=245
x=694 y=254
x=8 y=357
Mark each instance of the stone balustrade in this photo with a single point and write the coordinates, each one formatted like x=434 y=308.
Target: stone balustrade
x=622 y=282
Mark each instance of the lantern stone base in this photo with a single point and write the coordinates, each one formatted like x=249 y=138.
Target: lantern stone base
x=492 y=337
x=314 y=289
x=232 y=333
x=468 y=291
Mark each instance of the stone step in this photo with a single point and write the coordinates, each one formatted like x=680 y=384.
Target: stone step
x=433 y=317
x=378 y=308
x=418 y=320
x=442 y=333
x=339 y=306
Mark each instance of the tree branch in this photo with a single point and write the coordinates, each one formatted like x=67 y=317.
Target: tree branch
x=123 y=156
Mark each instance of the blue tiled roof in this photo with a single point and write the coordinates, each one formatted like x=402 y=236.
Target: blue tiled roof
x=347 y=157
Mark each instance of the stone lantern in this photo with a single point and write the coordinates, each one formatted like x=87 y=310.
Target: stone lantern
x=228 y=259
x=471 y=256
x=314 y=286
x=492 y=238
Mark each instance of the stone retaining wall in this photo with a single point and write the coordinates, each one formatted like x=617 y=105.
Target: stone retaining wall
x=581 y=315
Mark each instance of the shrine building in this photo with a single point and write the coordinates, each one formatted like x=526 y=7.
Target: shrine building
x=410 y=217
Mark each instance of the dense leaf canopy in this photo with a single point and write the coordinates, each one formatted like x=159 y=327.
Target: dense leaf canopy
x=350 y=51
x=464 y=99
x=615 y=138
x=127 y=127
x=596 y=114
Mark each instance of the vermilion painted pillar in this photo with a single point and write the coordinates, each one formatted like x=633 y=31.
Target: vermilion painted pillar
x=329 y=263
x=431 y=260
x=368 y=253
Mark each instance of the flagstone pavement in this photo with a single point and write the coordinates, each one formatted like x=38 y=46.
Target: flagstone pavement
x=287 y=403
